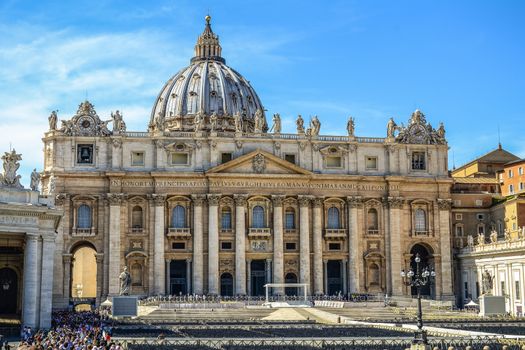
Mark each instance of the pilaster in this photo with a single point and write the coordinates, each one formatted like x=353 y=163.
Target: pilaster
x=159 y=284
x=30 y=305
x=395 y=205
x=278 y=242
x=318 y=246
x=198 y=253
x=46 y=289
x=115 y=201
x=213 y=244
x=240 y=245
x=304 y=241
x=354 y=203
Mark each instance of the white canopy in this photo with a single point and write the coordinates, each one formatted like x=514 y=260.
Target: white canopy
x=471 y=303
x=106 y=303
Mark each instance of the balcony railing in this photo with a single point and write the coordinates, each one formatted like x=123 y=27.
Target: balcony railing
x=179 y=232
x=136 y=230
x=83 y=232
x=226 y=230
x=290 y=231
x=421 y=233
x=372 y=232
x=335 y=233
x=259 y=232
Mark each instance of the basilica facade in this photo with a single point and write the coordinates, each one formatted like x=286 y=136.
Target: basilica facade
x=215 y=199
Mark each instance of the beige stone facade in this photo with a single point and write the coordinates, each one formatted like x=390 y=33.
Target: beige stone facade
x=207 y=201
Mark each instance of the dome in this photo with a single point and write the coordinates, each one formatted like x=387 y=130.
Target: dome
x=208 y=95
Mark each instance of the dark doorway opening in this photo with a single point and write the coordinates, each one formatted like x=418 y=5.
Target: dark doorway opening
x=8 y=291
x=290 y=278
x=178 y=277
x=334 y=276
x=258 y=278
x=227 y=284
x=425 y=256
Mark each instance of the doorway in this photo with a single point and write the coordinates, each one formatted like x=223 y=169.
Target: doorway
x=178 y=277
x=258 y=277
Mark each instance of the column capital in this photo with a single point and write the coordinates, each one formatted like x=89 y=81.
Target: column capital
x=48 y=238
x=354 y=201
x=240 y=199
x=99 y=257
x=304 y=201
x=158 y=199
x=277 y=200
x=116 y=198
x=198 y=199
x=395 y=202
x=32 y=236
x=61 y=198
x=66 y=258
x=318 y=202
x=444 y=204
x=213 y=199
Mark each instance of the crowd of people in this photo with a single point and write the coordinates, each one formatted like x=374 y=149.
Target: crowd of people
x=72 y=331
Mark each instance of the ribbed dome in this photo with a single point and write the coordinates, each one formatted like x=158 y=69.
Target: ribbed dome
x=209 y=89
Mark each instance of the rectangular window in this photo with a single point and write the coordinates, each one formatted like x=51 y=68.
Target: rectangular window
x=226 y=157
x=479 y=202
x=520 y=170
x=289 y=220
x=459 y=217
x=477 y=288
x=466 y=290
x=178 y=245
x=480 y=216
x=371 y=163
x=290 y=158
x=503 y=291
x=85 y=154
x=481 y=229
x=334 y=246
x=290 y=246
x=226 y=220
x=518 y=289
x=459 y=231
x=511 y=189
x=521 y=186
x=226 y=245
x=418 y=161
x=179 y=158
x=511 y=173
x=137 y=158
x=333 y=162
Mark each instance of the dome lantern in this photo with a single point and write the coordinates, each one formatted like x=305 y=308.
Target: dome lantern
x=208 y=47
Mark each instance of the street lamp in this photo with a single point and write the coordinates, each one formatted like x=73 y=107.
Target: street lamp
x=418 y=279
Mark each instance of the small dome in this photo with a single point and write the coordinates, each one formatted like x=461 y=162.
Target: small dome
x=209 y=89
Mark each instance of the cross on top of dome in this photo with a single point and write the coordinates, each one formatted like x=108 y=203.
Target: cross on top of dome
x=208 y=47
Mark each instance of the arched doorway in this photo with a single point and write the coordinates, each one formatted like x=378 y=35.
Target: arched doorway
x=290 y=278
x=84 y=272
x=425 y=254
x=227 y=284
x=8 y=291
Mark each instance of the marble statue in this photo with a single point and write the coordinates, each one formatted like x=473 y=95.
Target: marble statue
x=276 y=127
x=470 y=241
x=53 y=120
x=197 y=121
x=9 y=178
x=315 y=126
x=118 y=122
x=481 y=238
x=486 y=282
x=391 y=128
x=300 y=124
x=238 y=122
x=350 y=126
x=493 y=236
x=441 y=131
x=258 y=122
x=35 y=180
x=125 y=282
x=508 y=237
x=213 y=122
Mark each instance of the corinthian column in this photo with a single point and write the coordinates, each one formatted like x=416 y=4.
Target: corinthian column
x=198 y=261
x=278 y=257
x=29 y=310
x=159 y=279
x=240 y=244
x=318 y=245
x=444 y=206
x=353 y=243
x=213 y=243
x=46 y=290
x=304 y=241
x=396 y=255
x=115 y=200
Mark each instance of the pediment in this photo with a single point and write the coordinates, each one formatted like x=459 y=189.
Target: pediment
x=258 y=162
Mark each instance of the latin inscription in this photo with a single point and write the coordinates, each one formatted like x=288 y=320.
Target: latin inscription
x=17 y=220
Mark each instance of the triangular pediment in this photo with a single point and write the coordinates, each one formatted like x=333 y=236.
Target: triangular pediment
x=258 y=162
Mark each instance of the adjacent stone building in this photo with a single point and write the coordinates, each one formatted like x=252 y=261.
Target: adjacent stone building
x=211 y=199
x=27 y=246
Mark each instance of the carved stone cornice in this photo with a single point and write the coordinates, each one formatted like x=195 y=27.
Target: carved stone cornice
x=61 y=198
x=278 y=200
x=115 y=198
x=318 y=202
x=240 y=199
x=198 y=199
x=158 y=199
x=444 y=204
x=214 y=199
x=354 y=201
x=304 y=201
x=395 y=202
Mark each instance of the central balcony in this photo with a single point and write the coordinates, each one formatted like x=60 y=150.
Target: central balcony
x=179 y=232
x=335 y=234
x=84 y=232
x=259 y=232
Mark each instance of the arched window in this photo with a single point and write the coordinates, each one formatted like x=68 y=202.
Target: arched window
x=258 y=217
x=421 y=220
x=84 y=216
x=136 y=274
x=333 y=218
x=178 y=217
x=372 y=217
x=289 y=219
x=136 y=217
x=226 y=218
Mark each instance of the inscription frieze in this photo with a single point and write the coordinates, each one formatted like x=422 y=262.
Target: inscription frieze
x=17 y=220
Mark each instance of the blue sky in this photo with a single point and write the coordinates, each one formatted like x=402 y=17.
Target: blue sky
x=460 y=62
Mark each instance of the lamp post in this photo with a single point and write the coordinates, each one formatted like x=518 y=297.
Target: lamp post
x=418 y=279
